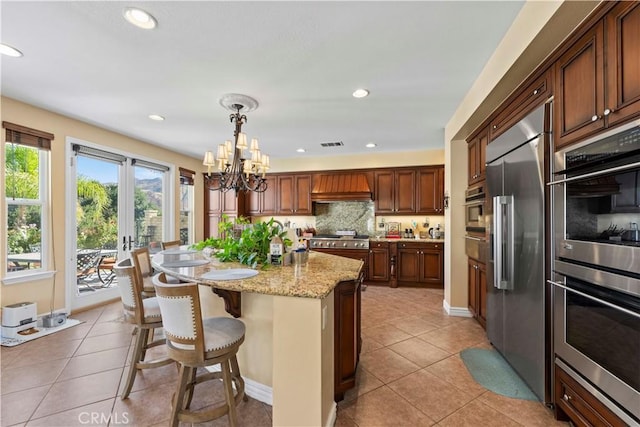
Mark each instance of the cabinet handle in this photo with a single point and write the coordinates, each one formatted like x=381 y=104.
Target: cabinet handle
x=607 y=111
x=566 y=397
x=495 y=126
x=595 y=117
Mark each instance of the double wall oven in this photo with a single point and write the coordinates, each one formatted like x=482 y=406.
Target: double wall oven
x=475 y=226
x=596 y=268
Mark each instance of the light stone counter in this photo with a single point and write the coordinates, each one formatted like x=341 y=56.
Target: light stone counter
x=316 y=279
x=385 y=239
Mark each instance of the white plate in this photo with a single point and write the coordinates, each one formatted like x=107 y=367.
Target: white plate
x=185 y=263
x=178 y=251
x=230 y=274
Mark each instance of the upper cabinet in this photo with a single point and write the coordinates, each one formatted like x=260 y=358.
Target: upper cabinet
x=409 y=191
x=294 y=194
x=264 y=203
x=395 y=191
x=430 y=191
x=477 y=149
x=598 y=78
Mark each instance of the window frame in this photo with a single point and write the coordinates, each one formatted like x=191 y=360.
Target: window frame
x=187 y=179
x=44 y=201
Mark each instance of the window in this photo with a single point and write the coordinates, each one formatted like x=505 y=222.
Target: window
x=186 y=206
x=26 y=195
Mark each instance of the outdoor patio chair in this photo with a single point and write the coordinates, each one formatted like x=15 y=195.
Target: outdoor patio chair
x=87 y=261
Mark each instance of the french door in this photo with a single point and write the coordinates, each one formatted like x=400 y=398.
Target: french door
x=121 y=203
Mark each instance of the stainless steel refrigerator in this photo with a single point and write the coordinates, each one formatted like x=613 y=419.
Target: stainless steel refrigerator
x=516 y=294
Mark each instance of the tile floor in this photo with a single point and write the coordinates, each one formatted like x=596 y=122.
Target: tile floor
x=410 y=374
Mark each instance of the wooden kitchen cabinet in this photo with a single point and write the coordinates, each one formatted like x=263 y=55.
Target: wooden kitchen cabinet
x=519 y=105
x=477 y=148
x=477 y=280
x=395 y=191
x=430 y=191
x=264 y=203
x=218 y=203
x=598 y=78
x=573 y=402
x=294 y=194
x=379 y=258
x=347 y=339
x=420 y=264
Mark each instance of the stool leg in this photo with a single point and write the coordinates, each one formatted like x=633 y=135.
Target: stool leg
x=190 y=387
x=231 y=402
x=235 y=373
x=139 y=345
x=179 y=397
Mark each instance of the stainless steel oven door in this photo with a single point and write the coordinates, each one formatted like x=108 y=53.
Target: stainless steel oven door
x=475 y=216
x=597 y=332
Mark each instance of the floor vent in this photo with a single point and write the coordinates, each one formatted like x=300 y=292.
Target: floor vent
x=332 y=144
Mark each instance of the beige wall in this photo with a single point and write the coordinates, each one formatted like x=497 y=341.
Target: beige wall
x=62 y=127
x=537 y=30
x=372 y=160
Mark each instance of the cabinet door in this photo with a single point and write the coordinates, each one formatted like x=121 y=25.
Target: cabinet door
x=483 y=140
x=302 y=187
x=482 y=293
x=579 y=97
x=269 y=201
x=255 y=203
x=472 y=267
x=230 y=202
x=346 y=336
x=212 y=198
x=472 y=157
x=384 y=183
x=405 y=193
x=211 y=225
x=379 y=264
x=432 y=266
x=285 y=194
x=623 y=62
x=430 y=191
x=408 y=264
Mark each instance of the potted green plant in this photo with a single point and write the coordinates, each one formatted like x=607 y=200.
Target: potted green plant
x=243 y=242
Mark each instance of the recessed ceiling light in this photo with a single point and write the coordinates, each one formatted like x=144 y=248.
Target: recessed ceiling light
x=9 y=51
x=140 y=18
x=156 y=117
x=301 y=150
x=370 y=145
x=360 y=93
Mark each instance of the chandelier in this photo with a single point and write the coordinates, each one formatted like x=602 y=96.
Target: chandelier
x=232 y=170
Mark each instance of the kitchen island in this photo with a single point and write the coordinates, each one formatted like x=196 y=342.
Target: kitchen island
x=291 y=316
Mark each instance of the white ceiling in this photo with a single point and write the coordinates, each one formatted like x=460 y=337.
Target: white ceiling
x=300 y=60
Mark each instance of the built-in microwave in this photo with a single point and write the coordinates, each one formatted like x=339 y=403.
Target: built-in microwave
x=475 y=209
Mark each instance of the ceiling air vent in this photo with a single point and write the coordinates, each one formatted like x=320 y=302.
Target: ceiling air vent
x=332 y=144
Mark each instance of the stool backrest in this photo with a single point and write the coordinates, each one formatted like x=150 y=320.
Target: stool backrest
x=181 y=319
x=171 y=244
x=142 y=262
x=130 y=289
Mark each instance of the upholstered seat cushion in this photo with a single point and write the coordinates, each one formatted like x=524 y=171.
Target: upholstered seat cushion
x=221 y=332
x=151 y=310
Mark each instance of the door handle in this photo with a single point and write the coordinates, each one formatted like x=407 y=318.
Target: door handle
x=124 y=243
x=130 y=243
x=503 y=245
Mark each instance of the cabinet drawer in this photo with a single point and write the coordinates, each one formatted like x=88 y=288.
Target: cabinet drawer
x=533 y=95
x=382 y=245
x=579 y=405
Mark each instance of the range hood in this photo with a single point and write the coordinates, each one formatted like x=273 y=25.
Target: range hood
x=341 y=187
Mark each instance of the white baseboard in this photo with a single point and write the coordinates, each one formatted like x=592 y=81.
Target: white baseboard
x=252 y=388
x=331 y=421
x=456 y=311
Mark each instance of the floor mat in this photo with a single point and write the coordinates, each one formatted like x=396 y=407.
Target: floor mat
x=11 y=342
x=492 y=372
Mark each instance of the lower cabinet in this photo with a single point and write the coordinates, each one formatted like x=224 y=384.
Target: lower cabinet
x=379 y=262
x=347 y=340
x=420 y=264
x=573 y=402
x=477 y=273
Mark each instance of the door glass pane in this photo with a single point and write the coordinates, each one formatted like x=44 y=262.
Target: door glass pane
x=148 y=207
x=97 y=223
x=186 y=214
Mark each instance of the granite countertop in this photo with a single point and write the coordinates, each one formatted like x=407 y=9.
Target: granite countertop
x=402 y=239
x=316 y=279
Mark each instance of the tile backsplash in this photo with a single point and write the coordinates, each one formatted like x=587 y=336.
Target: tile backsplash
x=358 y=216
